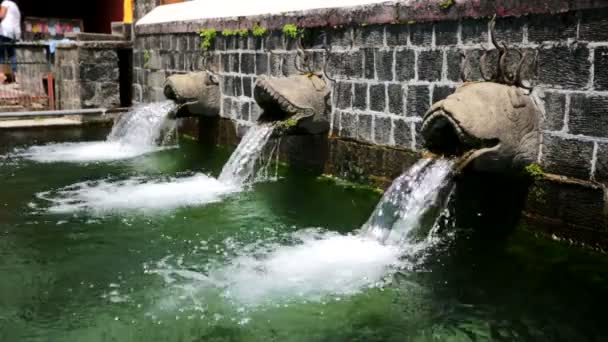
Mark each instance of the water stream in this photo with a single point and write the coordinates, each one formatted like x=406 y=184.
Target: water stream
x=144 y=129
x=150 y=194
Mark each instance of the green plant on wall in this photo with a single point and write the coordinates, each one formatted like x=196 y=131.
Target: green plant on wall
x=230 y=33
x=292 y=31
x=537 y=174
x=259 y=31
x=147 y=57
x=446 y=4
x=207 y=36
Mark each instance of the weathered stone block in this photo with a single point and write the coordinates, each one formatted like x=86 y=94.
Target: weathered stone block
x=377 y=97
x=225 y=62
x=369 y=67
x=235 y=61
x=601 y=165
x=365 y=131
x=343 y=93
x=340 y=37
x=395 y=99
x=441 y=92
x=564 y=67
x=384 y=65
x=248 y=63
x=589 y=115
x=242 y=42
x=405 y=65
x=570 y=203
x=594 y=25
x=510 y=30
x=474 y=31
x=238 y=86
x=421 y=34
x=247 y=87
x=226 y=107
x=289 y=65
x=402 y=133
x=228 y=86
x=568 y=157
x=348 y=125
x=430 y=64
x=261 y=63
x=360 y=96
x=99 y=72
x=244 y=111
x=555 y=110
x=276 y=62
x=601 y=68
x=446 y=33
x=382 y=130
x=369 y=36
x=418 y=100
x=274 y=41
x=454 y=63
x=346 y=64
x=397 y=35
x=553 y=27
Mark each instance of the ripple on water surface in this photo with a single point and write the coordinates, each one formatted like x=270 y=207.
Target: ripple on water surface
x=137 y=194
x=84 y=152
x=312 y=266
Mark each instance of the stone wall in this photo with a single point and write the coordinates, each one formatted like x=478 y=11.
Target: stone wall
x=392 y=62
x=89 y=74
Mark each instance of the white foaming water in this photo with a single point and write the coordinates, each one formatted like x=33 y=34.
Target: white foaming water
x=137 y=132
x=137 y=194
x=319 y=265
x=395 y=219
x=241 y=166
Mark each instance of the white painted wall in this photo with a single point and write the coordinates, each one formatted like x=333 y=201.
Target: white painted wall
x=205 y=9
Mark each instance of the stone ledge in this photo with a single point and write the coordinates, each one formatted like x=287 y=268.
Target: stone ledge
x=383 y=13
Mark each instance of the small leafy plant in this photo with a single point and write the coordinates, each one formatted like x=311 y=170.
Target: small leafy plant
x=535 y=171
x=147 y=57
x=292 y=31
x=207 y=35
x=230 y=33
x=259 y=31
x=446 y=4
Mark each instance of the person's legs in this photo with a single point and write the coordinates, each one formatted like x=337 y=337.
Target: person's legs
x=8 y=55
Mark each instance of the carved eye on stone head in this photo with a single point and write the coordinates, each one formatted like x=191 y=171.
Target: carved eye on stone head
x=213 y=79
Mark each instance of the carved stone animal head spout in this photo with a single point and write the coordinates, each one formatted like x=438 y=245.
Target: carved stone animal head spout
x=301 y=101
x=197 y=94
x=495 y=126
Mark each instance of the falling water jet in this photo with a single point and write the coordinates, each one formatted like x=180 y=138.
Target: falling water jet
x=142 y=130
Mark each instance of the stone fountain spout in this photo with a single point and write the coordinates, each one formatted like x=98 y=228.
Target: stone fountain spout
x=300 y=102
x=493 y=126
x=196 y=94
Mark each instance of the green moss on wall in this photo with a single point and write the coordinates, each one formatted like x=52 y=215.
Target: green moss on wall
x=207 y=35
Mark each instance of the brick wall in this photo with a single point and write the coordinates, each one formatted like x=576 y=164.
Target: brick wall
x=89 y=73
x=388 y=76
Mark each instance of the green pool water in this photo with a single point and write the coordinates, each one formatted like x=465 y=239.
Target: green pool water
x=225 y=270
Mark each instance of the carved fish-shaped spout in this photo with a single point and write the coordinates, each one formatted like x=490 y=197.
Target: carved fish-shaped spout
x=197 y=94
x=302 y=99
x=494 y=125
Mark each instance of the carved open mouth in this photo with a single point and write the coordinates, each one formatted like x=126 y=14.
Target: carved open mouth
x=444 y=134
x=275 y=106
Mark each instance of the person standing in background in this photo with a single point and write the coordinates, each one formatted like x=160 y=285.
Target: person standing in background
x=10 y=32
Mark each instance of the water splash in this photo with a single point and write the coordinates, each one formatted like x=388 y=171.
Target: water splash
x=139 y=194
x=314 y=265
x=142 y=130
x=145 y=125
x=241 y=167
x=402 y=208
